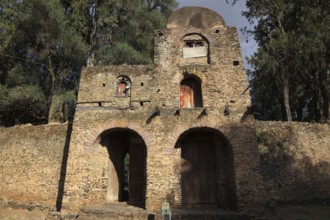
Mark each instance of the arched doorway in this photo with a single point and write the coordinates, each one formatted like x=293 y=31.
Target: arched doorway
x=126 y=167
x=207 y=169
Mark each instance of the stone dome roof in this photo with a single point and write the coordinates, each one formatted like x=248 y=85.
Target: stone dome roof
x=198 y=17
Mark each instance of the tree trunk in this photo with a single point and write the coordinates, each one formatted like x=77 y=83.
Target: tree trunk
x=286 y=95
x=285 y=75
x=324 y=94
x=93 y=41
x=283 y=112
x=54 y=114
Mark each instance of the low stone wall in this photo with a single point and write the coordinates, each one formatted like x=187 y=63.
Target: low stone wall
x=30 y=164
x=295 y=161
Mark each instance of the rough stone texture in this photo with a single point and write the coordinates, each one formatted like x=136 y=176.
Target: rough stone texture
x=294 y=161
x=30 y=164
x=152 y=110
x=290 y=162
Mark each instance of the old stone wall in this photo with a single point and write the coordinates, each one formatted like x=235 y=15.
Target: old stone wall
x=98 y=86
x=294 y=160
x=88 y=166
x=30 y=164
x=152 y=108
x=223 y=83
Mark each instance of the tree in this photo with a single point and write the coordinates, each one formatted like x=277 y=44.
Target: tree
x=21 y=98
x=46 y=43
x=292 y=59
x=43 y=51
x=119 y=31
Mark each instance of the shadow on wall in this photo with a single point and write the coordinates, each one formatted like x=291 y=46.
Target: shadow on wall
x=61 y=182
x=291 y=176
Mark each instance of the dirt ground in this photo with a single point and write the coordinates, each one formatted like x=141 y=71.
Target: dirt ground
x=288 y=212
x=20 y=214
x=296 y=212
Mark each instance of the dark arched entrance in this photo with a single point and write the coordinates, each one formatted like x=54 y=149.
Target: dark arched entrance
x=127 y=166
x=207 y=169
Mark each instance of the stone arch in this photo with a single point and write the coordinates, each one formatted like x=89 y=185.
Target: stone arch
x=205 y=181
x=198 y=39
x=203 y=123
x=195 y=48
x=94 y=136
x=126 y=169
x=180 y=34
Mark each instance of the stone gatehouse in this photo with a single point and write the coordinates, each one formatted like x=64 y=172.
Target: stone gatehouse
x=173 y=130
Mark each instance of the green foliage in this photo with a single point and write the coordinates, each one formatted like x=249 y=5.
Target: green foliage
x=294 y=47
x=131 y=30
x=269 y=145
x=122 y=53
x=40 y=55
x=262 y=138
x=44 y=45
x=22 y=104
x=62 y=106
x=30 y=207
x=21 y=75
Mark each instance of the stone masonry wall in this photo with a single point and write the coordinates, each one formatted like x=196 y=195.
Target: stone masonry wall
x=294 y=160
x=156 y=88
x=98 y=86
x=30 y=164
x=87 y=175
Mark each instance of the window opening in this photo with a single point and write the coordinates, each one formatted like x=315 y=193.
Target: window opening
x=190 y=93
x=194 y=45
x=123 y=86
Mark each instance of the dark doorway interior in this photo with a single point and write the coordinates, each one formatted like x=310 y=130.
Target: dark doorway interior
x=207 y=171
x=190 y=93
x=127 y=153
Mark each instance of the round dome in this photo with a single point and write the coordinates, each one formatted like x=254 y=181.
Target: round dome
x=198 y=17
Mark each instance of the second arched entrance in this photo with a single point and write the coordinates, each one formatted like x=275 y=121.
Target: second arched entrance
x=206 y=169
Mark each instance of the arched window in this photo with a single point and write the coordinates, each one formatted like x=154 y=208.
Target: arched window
x=190 y=93
x=123 y=86
x=195 y=45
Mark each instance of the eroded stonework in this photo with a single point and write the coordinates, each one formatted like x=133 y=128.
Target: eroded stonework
x=180 y=120
x=175 y=130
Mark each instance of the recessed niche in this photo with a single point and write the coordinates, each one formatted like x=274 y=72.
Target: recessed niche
x=235 y=62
